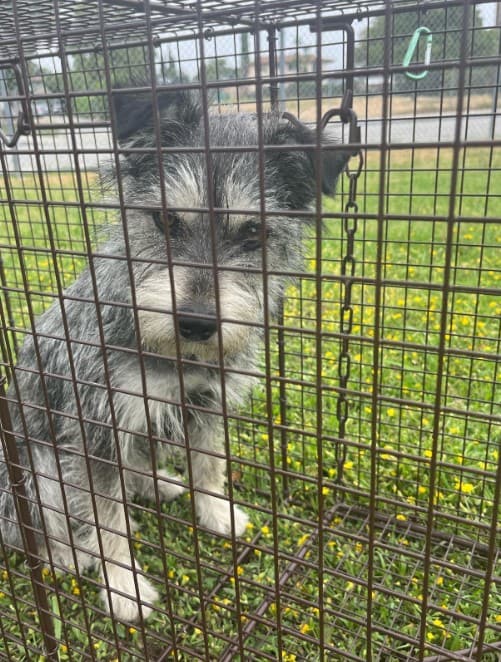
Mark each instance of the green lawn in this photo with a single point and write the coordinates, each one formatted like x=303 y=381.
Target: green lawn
x=413 y=462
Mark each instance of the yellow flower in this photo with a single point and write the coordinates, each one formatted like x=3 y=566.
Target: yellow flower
x=132 y=630
x=466 y=488
x=401 y=517
x=304 y=628
x=265 y=530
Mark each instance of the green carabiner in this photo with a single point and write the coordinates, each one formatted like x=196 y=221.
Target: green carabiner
x=412 y=48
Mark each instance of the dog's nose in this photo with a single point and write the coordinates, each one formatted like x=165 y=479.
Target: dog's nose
x=195 y=328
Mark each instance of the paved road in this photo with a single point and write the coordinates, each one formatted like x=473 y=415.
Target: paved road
x=56 y=147
x=477 y=125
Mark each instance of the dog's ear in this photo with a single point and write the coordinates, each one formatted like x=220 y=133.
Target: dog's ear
x=179 y=111
x=333 y=163
x=297 y=168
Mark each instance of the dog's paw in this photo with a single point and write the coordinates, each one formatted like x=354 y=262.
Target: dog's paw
x=216 y=514
x=125 y=607
x=169 y=487
x=169 y=490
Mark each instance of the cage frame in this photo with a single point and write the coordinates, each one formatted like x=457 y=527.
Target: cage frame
x=369 y=517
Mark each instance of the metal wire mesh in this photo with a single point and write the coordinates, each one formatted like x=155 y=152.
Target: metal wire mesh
x=367 y=454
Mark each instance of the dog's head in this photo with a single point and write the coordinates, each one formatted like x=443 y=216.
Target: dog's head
x=223 y=191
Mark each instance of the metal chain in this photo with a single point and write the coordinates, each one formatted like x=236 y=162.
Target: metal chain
x=348 y=264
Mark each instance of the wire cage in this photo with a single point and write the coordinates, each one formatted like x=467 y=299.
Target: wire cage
x=367 y=455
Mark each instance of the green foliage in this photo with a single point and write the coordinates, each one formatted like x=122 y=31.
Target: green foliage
x=170 y=70
x=400 y=460
x=87 y=76
x=446 y=26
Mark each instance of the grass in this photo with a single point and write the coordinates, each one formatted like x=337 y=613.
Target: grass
x=416 y=461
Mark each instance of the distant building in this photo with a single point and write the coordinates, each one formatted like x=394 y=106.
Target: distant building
x=293 y=63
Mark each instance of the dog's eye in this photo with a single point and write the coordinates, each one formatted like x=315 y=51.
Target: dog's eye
x=250 y=235
x=172 y=219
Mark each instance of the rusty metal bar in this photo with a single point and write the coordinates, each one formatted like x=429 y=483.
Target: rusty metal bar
x=33 y=559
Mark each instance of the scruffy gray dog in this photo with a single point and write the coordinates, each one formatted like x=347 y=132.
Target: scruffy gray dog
x=100 y=405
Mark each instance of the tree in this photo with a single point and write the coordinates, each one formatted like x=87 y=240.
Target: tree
x=244 y=55
x=87 y=74
x=216 y=68
x=446 y=25
x=170 y=70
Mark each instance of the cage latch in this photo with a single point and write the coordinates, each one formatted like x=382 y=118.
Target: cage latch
x=347 y=115
x=23 y=126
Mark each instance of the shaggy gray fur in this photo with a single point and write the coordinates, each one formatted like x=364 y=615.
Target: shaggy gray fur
x=96 y=425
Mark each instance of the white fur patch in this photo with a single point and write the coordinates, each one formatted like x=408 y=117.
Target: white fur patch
x=156 y=319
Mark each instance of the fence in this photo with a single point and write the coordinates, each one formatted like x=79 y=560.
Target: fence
x=367 y=455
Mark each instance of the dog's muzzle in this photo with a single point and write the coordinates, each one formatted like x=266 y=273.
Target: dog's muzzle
x=195 y=327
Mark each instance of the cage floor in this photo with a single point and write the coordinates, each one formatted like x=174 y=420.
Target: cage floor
x=310 y=602
x=398 y=547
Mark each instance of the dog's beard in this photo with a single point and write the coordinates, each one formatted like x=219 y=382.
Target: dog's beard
x=240 y=312
x=159 y=335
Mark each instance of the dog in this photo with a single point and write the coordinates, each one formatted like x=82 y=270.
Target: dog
x=129 y=363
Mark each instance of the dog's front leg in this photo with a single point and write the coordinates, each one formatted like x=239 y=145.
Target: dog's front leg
x=208 y=467
x=122 y=590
